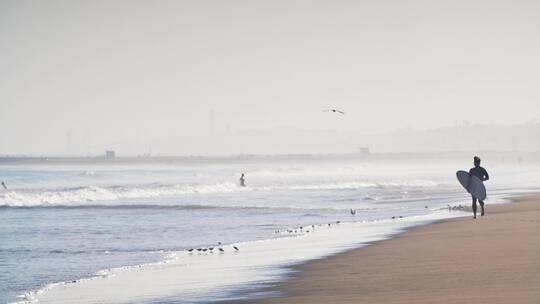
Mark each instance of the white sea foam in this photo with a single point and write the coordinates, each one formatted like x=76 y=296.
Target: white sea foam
x=211 y=276
x=91 y=194
x=95 y=193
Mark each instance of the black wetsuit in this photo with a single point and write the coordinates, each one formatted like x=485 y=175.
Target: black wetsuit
x=479 y=172
x=482 y=174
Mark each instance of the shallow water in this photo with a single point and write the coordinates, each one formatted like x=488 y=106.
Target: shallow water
x=64 y=223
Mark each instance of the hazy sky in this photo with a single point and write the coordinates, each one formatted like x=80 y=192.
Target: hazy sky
x=105 y=72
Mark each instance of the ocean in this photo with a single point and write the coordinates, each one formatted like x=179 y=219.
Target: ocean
x=119 y=232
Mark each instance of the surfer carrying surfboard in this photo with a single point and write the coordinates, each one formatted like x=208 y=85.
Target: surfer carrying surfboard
x=482 y=174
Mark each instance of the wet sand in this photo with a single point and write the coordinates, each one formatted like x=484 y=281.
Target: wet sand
x=494 y=259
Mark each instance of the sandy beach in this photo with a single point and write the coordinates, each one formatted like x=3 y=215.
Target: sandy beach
x=495 y=259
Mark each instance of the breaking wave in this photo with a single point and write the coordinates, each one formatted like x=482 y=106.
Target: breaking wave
x=88 y=195
x=94 y=194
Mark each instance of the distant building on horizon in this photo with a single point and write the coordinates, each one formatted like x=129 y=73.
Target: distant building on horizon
x=110 y=154
x=364 y=150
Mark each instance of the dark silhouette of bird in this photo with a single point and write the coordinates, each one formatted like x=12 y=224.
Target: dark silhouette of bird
x=204 y=249
x=190 y=250
x=235 y=248
x=199 y=249
x=334 y=110
x=221 y=250
x=353 y=212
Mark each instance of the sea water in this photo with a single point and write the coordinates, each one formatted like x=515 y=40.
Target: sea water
x=119 y=232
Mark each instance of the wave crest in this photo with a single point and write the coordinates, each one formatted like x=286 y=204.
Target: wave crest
x=88 y=195
x=31 y=198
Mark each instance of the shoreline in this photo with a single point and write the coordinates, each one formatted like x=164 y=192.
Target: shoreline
x=279 y=285
x=290 y=251
x=449 y=261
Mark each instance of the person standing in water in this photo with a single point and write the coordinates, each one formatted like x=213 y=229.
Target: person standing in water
x=4 y=185
x=482 y=174
x=242 y=180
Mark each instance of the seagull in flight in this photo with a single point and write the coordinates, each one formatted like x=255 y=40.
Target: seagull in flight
x=334 y=110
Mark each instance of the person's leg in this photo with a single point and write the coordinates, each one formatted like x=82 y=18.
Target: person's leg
x=474 y=206
x=481 y=206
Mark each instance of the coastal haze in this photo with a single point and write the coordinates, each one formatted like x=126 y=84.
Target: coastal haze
x=217 y=78
x=193 y=145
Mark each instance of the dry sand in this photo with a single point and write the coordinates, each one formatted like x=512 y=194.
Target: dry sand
x=494 y=259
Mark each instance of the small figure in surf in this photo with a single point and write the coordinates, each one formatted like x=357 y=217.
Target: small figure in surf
x=482 y=174
x=242 y=180
x=4 y=185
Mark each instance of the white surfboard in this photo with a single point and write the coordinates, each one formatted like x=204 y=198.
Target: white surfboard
x=476 y=186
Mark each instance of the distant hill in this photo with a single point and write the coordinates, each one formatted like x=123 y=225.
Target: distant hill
x=462 y=138
x=524 y=137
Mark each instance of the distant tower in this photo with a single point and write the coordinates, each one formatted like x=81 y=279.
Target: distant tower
x=68 y=142
x=212 y=122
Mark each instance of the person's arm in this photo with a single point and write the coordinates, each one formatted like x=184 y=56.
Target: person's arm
x=486 y=176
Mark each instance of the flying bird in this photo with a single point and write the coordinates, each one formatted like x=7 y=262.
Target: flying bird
x=235 y=248
x=334 y=110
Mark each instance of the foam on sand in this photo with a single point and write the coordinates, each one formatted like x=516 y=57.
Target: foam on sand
x=194 y=277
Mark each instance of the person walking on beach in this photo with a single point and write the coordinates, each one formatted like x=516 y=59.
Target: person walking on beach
x=242 y=180
x=482 y=174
